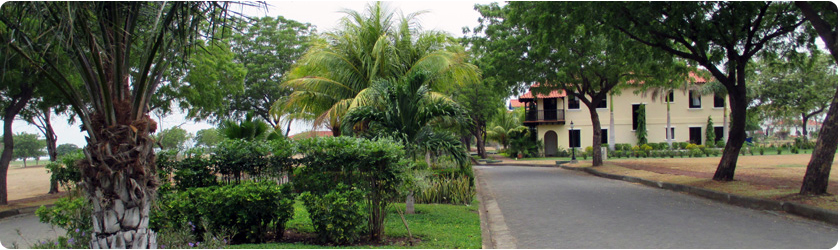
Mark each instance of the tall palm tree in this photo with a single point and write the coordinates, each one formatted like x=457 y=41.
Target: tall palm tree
x=503 y=122
x=334 y=75
x=407 y=109
x=121 y=50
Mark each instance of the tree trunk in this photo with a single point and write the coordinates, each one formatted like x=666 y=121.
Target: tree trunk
x=288 y=128
x=52 y=139
x=119 y=177
x=596 y=137
x=479 y=131
x=15 y=106
x=816 y=175
x=726 y=168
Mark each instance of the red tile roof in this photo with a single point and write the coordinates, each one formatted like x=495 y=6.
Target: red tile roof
x=514 y=103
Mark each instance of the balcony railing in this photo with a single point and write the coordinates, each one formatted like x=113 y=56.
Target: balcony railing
x=545 y=115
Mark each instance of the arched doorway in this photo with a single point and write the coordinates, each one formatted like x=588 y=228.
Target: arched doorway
x=550 y=140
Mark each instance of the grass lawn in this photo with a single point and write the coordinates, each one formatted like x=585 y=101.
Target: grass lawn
x=436 y=225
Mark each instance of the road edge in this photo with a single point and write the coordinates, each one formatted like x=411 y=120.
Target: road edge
x=494 y=231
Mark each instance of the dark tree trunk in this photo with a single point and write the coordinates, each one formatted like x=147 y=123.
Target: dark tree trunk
x=467 y=140
x=15 y=106
x=726 y=168
x=817 y=173
x=827 y=32
x=596 y=137
x=52 y=139
x=479 y=131
x=288 y=128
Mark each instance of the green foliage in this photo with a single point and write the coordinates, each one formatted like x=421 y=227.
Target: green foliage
x=248 y=129
x=371 y=46
x=194 y=170
x=184 y=237
x=172 y=138
x=376 y=167
x=623 y=146
x=641 y=130
x=448 y=188
x=66 y=148
x=72 y=214
x=28 y=146
x=339 y=215
x=208 y=137
x=710 y=133
x=65 y=171
x=269 y=207
x=524 y=140
x=258 y=159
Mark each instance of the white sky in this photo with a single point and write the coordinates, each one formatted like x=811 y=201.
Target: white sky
x=449 y=16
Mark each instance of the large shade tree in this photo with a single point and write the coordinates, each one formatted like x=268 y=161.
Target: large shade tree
x=121 y=50
x=823 y=17
x=336 y=71
x=723 y=37
x=573 y=52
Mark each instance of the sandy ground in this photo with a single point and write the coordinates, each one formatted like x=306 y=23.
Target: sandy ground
x=27 y=182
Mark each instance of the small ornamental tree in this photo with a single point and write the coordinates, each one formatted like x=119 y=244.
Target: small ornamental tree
x=641 y=129
x=710 y=133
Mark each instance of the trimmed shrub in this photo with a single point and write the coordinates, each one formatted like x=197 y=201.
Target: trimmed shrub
x=338 y=216
x=64 y=171
x=194 y=171
x=720 y=144
x=779 y=150
x=269 y=206
x=683 y=145
x=761 y=150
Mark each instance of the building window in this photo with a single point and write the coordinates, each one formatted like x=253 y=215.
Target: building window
x=695 y=135
x=670 y=97
x=635 y=112
x=574 y=138
x=672 y=133
x=719 y=102
x=693 y=99
x=603 y=103
x=718 y=134
x=605 y=136
x=574 y=103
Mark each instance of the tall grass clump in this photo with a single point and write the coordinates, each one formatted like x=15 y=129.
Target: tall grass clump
x=447 y=189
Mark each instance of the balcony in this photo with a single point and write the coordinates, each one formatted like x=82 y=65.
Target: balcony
x=557 y=116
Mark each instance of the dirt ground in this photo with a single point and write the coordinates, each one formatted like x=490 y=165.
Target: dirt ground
x=776 y=177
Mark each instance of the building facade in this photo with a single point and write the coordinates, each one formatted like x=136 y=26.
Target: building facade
x=552 y=116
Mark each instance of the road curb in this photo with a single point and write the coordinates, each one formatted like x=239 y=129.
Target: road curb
x=806 y=211
x=23 y=210
x=494 y=231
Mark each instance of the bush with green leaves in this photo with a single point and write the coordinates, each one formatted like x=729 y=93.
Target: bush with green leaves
x=338 y=216
x=377 y=167
x=73 y=214
x=623 y=146
x=524 y=140
x=252 y=211
x=65 y=171
x=447 y=189
x=234 y=158
x=195 y=170
x=683 y=145
x=720 y=144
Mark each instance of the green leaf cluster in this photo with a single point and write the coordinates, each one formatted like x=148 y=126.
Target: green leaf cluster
x=375 y=166
x=339 y=215
x=268 y=204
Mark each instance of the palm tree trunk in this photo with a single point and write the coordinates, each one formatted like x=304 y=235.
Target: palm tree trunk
x=119 y=177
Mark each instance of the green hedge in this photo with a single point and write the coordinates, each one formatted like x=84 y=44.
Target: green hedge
x=251 y=211
x=337 y=216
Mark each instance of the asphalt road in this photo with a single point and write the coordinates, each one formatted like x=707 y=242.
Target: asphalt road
x=31 y=231
x=558 y=208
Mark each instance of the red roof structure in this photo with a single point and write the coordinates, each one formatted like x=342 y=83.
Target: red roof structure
x=514 y=103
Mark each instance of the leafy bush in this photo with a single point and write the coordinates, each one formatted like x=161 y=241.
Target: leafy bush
x=73 y=215
x=696 y=152
x=376 y=167
x=524 y=140
x=779 y=150
x=761 y=150
x=195 y=170
x=184 y=237
x=268 y=207
x=794 y=150
x=65 y=171
x=683 y=145
x=691 y=146
x=338 y=216
x=720 y=144
x=623 y=146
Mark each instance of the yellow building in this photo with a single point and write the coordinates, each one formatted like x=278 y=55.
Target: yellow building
x=552 y=115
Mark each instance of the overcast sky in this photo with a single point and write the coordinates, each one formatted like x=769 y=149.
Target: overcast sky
x=449 y=16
